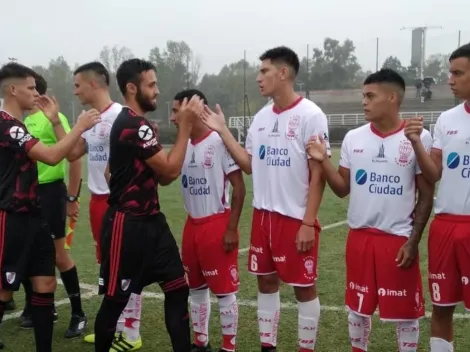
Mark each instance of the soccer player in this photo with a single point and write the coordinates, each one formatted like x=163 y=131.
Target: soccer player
x=92 y=88
x=379 y=172
x=449 y=233
x=210 y=236
x=137 y=246
x=26 y=246
x=56 y=205
x=287 y=190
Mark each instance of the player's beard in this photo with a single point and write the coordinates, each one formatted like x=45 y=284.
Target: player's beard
x=145 y=103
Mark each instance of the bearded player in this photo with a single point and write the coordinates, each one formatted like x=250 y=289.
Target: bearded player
x=285 y=230
x=379 y=172
x=449 y=233
x=92 y=88
x=210 y=236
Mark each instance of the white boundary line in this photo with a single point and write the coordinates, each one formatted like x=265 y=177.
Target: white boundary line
x=327 y=227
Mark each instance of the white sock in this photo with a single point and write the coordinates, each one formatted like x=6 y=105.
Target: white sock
x=408 y=335
x=121 y=323
x=441 y=345
x=200 y=314
x=269 y=309
x=359 y=330
x=132 y=314
x=308 y=319
x=229 y=321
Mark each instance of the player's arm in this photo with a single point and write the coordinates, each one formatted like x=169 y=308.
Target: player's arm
x=429 y=160
x=242 y=156
x=75 y=175
x=423 y=207
x=61 y=130
x=60 y=125
x=78 y=151
x=107 y=174
x=238 y=198
x=338 y=180
x=165 y=181
x=315 y=193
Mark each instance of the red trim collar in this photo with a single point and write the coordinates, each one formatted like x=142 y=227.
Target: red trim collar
x=387 y=134
x=291 y=106
x=466 y=105
x=108 y=107
x=200 y=139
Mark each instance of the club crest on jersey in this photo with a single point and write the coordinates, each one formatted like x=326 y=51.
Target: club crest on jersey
x=10 y=277
x=234 y=274
x=310 y=269
x=293 y=127
x=209 y=154
x=125 y=284
x=404 y=152
x=101 y=130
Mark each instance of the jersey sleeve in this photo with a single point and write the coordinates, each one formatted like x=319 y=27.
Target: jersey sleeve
x=344 y=158
x=65 y=122
x=438 y=135
x=427 y=141
x=229 y=165
x=317 y=125
x=15 y=136
x=141 y=136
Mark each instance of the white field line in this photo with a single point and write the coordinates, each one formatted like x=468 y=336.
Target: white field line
x=327 y=227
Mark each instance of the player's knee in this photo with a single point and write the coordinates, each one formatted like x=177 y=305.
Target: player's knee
x=268 y=283
x=44 y=284
x=6 y=296
x=200 y=296
x=305 y=294
x=227 y=300
x=442 y=313
x=177 y=296
x=63 y=260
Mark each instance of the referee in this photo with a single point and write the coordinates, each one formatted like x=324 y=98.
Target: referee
x=57 y=203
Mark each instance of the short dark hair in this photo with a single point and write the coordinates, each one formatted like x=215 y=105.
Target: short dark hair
x=96 y=67
x=15 y=70
x=189 y=93
x=386 y=75
x=284 y=55
x=41 y=84
x=129 y=72
x=463 y=51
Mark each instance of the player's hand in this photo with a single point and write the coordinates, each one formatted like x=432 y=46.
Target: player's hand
x=215 y=120
x=49 y=106
x=230 y=240
x=305 y=238
x=413 y=128
x=407 y=254
x=73 y=209
x=316 y=148
x=190 y=111
x=88 y=119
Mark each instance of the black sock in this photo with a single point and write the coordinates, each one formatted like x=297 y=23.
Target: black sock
x=72 y=286
x=28 y=290
x=2 y=309
x=42 y=312
x=177 y=319
x=106 y=320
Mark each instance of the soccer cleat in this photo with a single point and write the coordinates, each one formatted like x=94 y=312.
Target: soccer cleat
x=121 y=344
x=196 y=348
x=11 y=305
x=26 y=320
x=91 y=337
x=76 y=327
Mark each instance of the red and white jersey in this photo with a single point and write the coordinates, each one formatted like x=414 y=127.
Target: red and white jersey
x=383 y=172
x=276 y=142
x=204 y=182
x=452 y=137
x=97 y=140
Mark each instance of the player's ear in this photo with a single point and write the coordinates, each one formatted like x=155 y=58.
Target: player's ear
x=131 y=88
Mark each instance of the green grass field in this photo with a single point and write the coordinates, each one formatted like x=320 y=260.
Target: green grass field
x=333 y=331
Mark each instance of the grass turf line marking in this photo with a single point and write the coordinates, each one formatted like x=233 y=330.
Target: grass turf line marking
x=327 y=227
x=254 y=304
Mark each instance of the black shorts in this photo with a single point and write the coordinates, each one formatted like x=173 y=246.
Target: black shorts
x=53 y=201
x=26 y=249
x=136 y=252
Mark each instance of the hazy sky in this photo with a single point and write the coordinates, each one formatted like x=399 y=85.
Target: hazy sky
x=219 y=31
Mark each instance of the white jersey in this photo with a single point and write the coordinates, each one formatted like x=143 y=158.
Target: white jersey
x=452 y=137
x=383 y=171
x=97 y=140
x=276 y=142
x=204 y=182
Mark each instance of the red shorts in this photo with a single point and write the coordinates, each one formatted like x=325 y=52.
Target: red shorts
x=449 y=260
x=273 y=249
x=98 y=206
x=374 y=279
x=204 y=258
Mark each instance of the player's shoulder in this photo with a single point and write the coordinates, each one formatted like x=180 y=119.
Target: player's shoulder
x=113 y=111
x=309 y=107
x=7 y=120
x=361 y=131
x=265 y=111
x=452 y=113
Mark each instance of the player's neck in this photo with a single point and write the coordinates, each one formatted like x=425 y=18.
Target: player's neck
x=284 y=98
x=199 y=132
x=134 y=106
x=387 y=125
x=102 y=102
x=13 y=109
